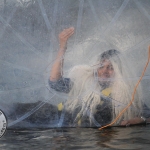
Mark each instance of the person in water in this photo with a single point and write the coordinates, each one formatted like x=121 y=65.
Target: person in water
x=97 y=93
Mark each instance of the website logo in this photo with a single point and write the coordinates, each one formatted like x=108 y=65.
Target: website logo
x=3 y=123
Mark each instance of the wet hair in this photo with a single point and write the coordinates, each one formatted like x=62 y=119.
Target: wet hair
x=86 y=91
x=108 y=54
x=112 y=55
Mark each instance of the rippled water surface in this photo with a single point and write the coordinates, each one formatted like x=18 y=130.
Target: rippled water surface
x=77 y=138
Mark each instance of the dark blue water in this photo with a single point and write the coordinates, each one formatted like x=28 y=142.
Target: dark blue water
x=77 y=138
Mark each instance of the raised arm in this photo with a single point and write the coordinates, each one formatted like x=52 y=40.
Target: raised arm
x=55 y=73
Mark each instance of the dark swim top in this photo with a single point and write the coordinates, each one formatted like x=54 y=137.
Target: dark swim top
x=103 y=110
x=61 y=85
x=64 y=85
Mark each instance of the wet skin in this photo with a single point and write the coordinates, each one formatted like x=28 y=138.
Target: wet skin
x=105 y=72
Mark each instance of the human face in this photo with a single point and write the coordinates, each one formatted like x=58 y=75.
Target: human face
x=105 y=71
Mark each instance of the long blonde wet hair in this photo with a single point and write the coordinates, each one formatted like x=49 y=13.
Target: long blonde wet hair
x=86 y=90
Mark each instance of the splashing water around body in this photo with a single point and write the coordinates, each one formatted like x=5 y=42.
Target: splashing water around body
x=90 y=95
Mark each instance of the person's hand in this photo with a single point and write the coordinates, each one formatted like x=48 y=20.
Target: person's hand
x=64 y=36
x=133 y=121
